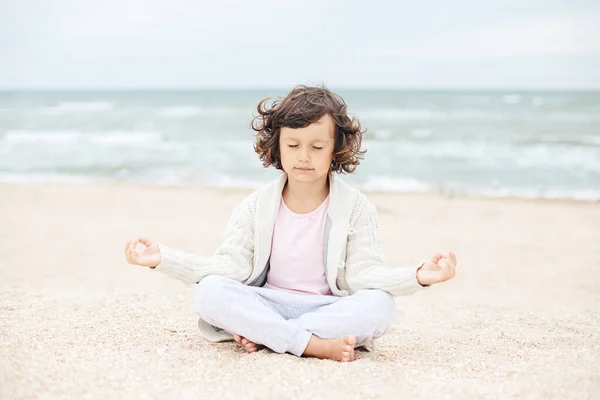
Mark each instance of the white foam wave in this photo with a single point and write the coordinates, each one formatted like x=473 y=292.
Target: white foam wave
x=185 y=111
x=179 y=111
x=101 y=138
x=511 y=99
x=441 y=149
x=569 y=140
x=395 y=114
x=382 y=184
x=420 y=133
x=392 y=115
x=226 y=181
x=27 y=137
x=540 y=193
x=46 y=178
x=537 y=101
x=383 y=133
x=492 y=154
x=540 y=156
x=75 y=107
x=589 y=139
x=388 y=134
x=395 y=184
x=449 y=190
x=128 y=138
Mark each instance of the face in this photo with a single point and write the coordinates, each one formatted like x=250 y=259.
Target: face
x=307 y=153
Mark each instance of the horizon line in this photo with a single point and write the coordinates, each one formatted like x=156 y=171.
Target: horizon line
x=287 y=88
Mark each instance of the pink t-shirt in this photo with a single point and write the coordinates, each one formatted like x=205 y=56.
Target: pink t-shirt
x=297 y=251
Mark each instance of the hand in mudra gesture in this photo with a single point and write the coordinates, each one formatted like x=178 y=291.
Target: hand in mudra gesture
x=148 y=257
x=440 y=268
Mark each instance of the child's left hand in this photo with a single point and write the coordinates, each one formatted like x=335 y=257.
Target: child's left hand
x=440 y=268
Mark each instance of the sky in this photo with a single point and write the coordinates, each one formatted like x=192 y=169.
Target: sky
x=470 y=44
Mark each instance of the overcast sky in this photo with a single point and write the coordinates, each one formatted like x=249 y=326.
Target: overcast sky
x=500 y=44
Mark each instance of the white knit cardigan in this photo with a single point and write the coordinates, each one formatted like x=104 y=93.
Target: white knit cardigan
x=353 y=259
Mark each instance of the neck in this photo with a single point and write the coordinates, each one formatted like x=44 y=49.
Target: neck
x=305 y=195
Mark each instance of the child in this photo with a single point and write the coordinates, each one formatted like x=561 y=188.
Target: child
x=301 y=269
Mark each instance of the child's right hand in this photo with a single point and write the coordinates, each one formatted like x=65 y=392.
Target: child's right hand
x=149 y=257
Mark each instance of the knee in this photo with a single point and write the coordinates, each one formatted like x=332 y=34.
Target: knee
x=379 y=303
x=210 y=292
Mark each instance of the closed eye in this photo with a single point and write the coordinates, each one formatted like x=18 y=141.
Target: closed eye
x=293 y=146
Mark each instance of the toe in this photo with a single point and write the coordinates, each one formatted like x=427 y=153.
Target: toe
x=350 y=340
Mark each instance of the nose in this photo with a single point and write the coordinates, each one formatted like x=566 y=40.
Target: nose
x=304 y=155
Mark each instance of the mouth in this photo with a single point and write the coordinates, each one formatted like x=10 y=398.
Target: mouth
x=303 y=168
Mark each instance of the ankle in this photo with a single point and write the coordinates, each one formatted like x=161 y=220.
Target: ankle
x=316 y=347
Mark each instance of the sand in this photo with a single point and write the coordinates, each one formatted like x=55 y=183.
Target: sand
x=521 y=319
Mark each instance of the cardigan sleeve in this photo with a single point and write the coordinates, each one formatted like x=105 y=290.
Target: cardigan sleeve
x=365 y=264
x=232 y=259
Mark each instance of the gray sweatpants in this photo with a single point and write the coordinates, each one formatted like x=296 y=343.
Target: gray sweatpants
x=285 y=321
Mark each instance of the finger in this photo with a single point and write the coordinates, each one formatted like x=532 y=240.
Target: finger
x=145 y=241
x=127 y=249
x=451 y=260
x=237 y=338
x=129 y=260
x=134 y=255
x=446 y=269
x=452 y=256
x=436 y=258
x=450 y=269
x=129 y=253
x=431 y=266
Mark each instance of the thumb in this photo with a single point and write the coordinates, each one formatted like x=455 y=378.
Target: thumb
x=138 y=258
x=134 y=256
x=146 y=242
x=444 y=263
x=437 y=257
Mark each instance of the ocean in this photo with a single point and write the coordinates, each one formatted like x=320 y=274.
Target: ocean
x=480 y=143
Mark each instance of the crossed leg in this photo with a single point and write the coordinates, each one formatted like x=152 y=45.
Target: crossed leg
x=329 y=332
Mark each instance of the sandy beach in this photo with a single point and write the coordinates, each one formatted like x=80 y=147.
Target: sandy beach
x=521 y=319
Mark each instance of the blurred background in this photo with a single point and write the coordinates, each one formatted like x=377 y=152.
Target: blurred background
x=495 y=98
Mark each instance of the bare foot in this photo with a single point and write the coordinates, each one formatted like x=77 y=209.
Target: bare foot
x=341 y=349
x=250 y=347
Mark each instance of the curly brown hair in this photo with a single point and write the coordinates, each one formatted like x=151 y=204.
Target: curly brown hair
x=303 y=106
